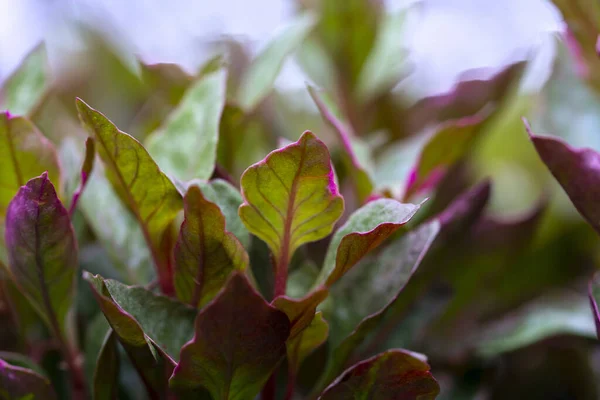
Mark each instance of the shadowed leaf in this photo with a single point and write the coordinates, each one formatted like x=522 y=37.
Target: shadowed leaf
x=21 y=383
x=366 y=229
x=307 y=341
x=240 y=339
x=205 y=253
x=300 y=312
x=107 y=369
x=186 y=146
x=148 y=193
x=594 y=295
x=42 y=250
x=392 y=375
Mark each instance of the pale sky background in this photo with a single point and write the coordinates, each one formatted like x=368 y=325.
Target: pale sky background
x=445 y=37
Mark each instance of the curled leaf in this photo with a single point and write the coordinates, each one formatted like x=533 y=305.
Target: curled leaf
x=205 y=253
x=239 y=341
x=594 y=295
x=300 y=312
x=392 y=375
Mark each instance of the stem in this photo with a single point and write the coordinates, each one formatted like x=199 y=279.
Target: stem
x=268 y=391
x=291 y=383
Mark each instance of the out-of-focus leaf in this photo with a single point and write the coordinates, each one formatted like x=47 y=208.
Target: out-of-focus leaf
x=550 y=315
x=357 y=173
x=23 y=384
x=290 y=198
x=395 y=163
x=219 y=358
x=364 y=231
x=41 y=244
x=151 y=328
x=148 y=193
x=258 y=79
x=301 y=346
x=468 y=98
x=392 y=375
x=369 y=291
x=386 y=63
x=300 y=312
x=594 y=295
x=577 y=171
x=186 y=146
x=24 y=154
x=205 y=253
x=107 y=369
x=86 y=171
x=25 y=88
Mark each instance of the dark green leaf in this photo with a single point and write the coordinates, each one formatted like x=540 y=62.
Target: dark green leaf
x=23 y=384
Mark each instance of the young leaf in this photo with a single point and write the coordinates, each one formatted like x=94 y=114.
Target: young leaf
x=594 y=295
x=263 y=71
x=240 y=339
x=300 y=312
x=23 y=384
x=24 y=90
x=313 y=336
x=361 y=178
x=186 y=146
x=205 y=253
x=86 y=171
x=290 y=198
x=392 y=375
x=576 y=170
x=366 y=229
x=42 y=250
x=107 y=369
x=149 y=194
x=24 y=153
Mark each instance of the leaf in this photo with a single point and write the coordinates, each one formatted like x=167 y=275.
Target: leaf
x=205 y=253
x=240 y=339
x=359 y=175
x=300 y=312
x=576 y=170
x=301 y=346
x=107 y=369
x=151 y=328
x=185 y=147
x=148 y=193
x=22 y=383
x=392 y=375
x=594 y=295
x=369 y=291
x=365 y=230
x=86 y=171
x=24 y=153
x=259 y=78
x=42 y=250
x=24 y=90
x=290 y=197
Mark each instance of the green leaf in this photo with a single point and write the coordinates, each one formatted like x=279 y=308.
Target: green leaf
x=42 y=251
x=24 y=153
x=240 y=339
x=151 y=328
x=186 y=146
x=392 y=375
x=148 y=193
x=24 y=90
x=205 y=253
x=259 y=78
x=22 y=383
x=300 y=312
x=365 y=230
x=107 y=369
x=301 y=346
x=594 y=295
x=358 y=174
x=290 y=197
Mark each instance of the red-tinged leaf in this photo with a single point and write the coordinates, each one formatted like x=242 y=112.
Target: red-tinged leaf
x=22 y=384
x=86 y=171
x=366 y=229
x=300 y=312
x=290 y=198
x=392 y=375
x=42 y=251
x=147 y=191
x=576 y=170
x=300 y=346
x=24 y=153
x=240 y=339
x=205 y=253
x=359 y=176
x=106 y=373
x=594 y=294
